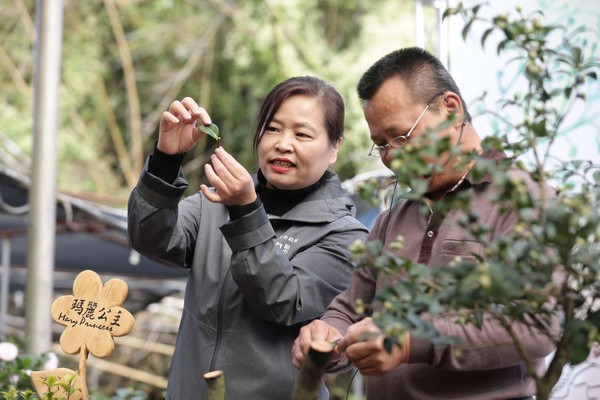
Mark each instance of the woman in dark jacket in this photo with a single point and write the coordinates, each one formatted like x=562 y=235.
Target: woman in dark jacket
x=266 y=252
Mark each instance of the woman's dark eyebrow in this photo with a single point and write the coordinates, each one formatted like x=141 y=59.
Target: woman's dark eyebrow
x=303 y=124
x=306 y=124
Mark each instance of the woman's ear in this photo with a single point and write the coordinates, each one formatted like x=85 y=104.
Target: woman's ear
x=334 y=151
x=453 y=105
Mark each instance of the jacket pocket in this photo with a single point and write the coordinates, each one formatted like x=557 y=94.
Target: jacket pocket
x=465 y=249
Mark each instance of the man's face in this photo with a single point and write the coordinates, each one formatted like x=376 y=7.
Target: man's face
x=392 y=113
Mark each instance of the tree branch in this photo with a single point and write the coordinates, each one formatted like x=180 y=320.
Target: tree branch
x=151 y=121
x=15 y=74
x=27 y=21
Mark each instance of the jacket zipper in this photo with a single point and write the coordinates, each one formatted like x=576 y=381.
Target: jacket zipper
x=213 y=360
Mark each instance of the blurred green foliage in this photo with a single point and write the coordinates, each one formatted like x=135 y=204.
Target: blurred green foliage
x=14 y=373
x=123 y=62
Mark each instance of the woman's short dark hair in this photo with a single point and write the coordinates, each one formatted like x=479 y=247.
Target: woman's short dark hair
x=330 y=99
x=424 y=75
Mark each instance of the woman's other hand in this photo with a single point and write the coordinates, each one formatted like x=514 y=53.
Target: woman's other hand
x=233 y=184
x=178 y=132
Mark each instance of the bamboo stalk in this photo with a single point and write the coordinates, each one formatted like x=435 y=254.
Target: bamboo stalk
x=307 y=386
x=216 y=385
x=135 y=115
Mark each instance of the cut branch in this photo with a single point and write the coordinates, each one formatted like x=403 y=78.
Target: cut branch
x=307 y=386
x=216 y=385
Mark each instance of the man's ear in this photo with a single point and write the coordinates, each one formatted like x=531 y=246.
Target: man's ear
x=453 y=105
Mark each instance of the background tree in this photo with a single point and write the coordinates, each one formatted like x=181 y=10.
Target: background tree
x=125 y=61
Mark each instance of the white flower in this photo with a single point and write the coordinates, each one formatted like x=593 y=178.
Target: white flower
x=8 y=351
x=14 y=379
x=51 y=362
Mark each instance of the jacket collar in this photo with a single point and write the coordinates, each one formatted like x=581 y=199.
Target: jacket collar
x=323 y=202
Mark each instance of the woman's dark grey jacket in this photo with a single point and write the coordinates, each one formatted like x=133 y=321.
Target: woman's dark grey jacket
x=253 y=282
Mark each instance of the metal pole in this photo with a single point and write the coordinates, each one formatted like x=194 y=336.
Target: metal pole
x=442 y=31
x=4 y=284
x=453 y=31
x=42 y=195
x=419 y=24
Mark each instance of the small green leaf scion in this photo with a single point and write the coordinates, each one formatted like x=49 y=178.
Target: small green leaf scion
x=212 y=130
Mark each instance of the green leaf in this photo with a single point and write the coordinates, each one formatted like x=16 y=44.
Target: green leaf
x=594 y=319
x=478 y=318
x=580 y=347
x=374 y=247
x=448 y=12
x=502 y=45
x=568 y=91
x=576 y=53
x=466 y=29
x=539 y=129
x=211 y=130
x=388 y=344
x=485 y=36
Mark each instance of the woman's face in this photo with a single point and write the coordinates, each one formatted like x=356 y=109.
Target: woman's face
x=294 y=151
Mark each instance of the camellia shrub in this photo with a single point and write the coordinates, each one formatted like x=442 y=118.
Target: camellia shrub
x=547 y=269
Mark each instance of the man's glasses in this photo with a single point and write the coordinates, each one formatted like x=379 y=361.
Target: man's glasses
x=398 y=141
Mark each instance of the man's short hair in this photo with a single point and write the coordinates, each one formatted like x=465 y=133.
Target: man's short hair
x=424 y=74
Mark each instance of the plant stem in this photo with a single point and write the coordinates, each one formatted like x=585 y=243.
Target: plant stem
x=83 y=355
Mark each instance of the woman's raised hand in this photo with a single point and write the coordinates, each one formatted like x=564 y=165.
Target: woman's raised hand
x=232 y=183
x=178 y=132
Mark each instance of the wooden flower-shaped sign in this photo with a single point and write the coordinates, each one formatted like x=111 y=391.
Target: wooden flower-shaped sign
x=93 y=316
